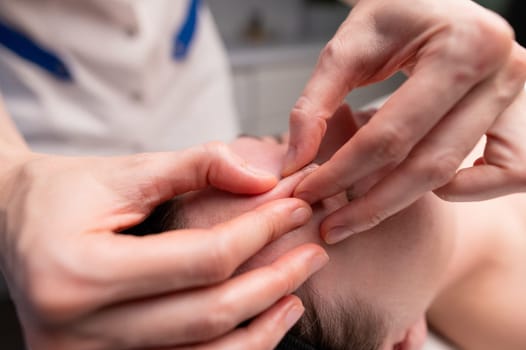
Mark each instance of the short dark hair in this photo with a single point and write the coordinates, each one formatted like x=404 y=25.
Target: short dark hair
x=323 y=325
x=167 y=216
x=338 y=324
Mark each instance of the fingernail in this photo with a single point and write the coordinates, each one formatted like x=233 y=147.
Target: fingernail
x=294 y=315
x=317 y=262
x=338 y=234
x=301 y=215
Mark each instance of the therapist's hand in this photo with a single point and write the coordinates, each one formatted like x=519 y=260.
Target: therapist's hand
x=464 y=70
x=78 y=284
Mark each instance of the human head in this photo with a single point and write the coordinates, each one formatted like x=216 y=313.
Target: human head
x=377 y=285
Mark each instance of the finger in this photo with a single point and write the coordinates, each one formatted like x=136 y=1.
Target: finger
x=204 y=314
x=340 y=128
x=339 y=69
x=444 y=70
x=263 y=333
x=131 y=267
x=455 y=136
x=502 y=170
x=153 y=178
x=432 y=163
x=481 y=183
x=401 y=123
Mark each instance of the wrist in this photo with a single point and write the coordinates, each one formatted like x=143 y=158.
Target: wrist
x=12 y=161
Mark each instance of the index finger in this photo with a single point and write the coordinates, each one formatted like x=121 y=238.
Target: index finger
x=426 y=99
x=132 y=267
x=321 y=97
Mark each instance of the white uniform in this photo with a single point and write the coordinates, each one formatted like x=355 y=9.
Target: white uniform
x=114 y=76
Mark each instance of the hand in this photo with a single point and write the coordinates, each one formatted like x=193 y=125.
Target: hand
x=464 y=70
x=78 y=284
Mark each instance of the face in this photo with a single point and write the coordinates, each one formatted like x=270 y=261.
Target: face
x=396 y=267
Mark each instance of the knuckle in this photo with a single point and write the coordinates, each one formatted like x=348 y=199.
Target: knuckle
x=490 y=41
x=214 y=156
x=509 y=81
x=52 y=301
x=439 y=171
x=305 y=112
x=219 y=320
x=214 y=148
x=219 y=262
x=301 y=109
x=332 y=51
x=373 y=216
x=272 y=222
x=214 y=151
x=270 y=219
x=390 y=145
x=336 y=56
x=516 y=69
x=477 y=46
x=282 y=279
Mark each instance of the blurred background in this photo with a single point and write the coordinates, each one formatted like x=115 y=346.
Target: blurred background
x=273 y=46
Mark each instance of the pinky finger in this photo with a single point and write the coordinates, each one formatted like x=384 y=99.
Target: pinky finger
x=264 y=332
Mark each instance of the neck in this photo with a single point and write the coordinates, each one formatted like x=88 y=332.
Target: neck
x=478 y=302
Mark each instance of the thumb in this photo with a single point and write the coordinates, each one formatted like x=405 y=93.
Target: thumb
x=153 y=178
x=345 y=63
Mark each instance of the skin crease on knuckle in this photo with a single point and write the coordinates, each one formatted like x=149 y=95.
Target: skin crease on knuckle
x=220 y=318
x=511 y=79
x=389 y=146
x=271 y=220
x=375 y=217
x=437 y=170
x=489 y=39
x=331 y=54
x=220 y=261
x=208 y=170
x=300 y=116
x=281 y=278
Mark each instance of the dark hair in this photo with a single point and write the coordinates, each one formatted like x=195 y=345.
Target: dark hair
x=338 y=324
x=166 y=216
x=324 y=325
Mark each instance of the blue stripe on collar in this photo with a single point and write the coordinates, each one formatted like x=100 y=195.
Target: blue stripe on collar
x=23 y=46
x=184 y=37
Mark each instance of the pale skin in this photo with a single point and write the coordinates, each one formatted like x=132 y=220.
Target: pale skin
x=485 y=75
x=66 y=266
x=461 y=264
x=464 y=70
